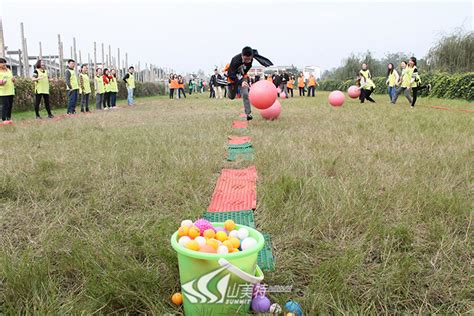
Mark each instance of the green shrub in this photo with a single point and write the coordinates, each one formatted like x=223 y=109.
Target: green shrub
x=24 y=93
x=457 y=86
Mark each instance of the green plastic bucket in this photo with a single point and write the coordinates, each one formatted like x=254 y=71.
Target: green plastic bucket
x=215 y=284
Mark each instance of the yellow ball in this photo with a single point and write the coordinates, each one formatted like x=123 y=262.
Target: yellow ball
x=235 y=242
x=183 y=231
x=222 y=236
x=213 y=243
x=193 y=245
x=228 y=244
x=194 y=232
x=229 y=225
x=209 y=233
x=177 y=299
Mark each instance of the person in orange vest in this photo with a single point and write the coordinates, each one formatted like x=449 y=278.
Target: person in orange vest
x=270 y=78
x=311 y=85
x=181 y=87
x=171 y=86
x=290 y=86
x=301 y=84
x=238 y=77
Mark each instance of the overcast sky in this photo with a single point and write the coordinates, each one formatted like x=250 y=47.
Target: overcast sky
x=191 y=35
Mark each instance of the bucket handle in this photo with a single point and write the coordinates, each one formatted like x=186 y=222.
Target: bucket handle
x=238 y=272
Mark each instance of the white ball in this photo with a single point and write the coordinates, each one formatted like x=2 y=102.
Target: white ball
x=248 y=243
x=184 y=240
x=187 y=222
x=275 y=308
x=222 y=250
x=234 y=233
x=201 y=240
x=243 y=233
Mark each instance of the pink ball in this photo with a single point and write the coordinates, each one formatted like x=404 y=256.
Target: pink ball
x=353 y=92
x=283 y=95
x=203 y=225
x=336 y=98
x=278 y=90
x=273 y=112
x=262 y=94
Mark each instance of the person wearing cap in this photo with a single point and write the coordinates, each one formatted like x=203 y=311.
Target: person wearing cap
x=238 y=77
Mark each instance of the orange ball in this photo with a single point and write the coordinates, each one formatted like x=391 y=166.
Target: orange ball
x=207 y=248
x=228 y=244
x=235 y=242
x=235 y=250
x=193 y=245
x=194 y=232
x=177 y=298
x=209 y=233
x=229 y=225
x=213 y=243
x=222 y=236
x=183 y=231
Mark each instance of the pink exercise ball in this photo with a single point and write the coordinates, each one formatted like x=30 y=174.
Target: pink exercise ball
x=283 y=95
x=278 y=90
x=336 y=98
x=353 y=92
x=263 y=94
x=273 y=112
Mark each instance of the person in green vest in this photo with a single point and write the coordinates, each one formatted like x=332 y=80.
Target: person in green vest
x=392 y=79
x=72 y=86
x=404 y=83
x=415 y=81
x=130 y=83
x=99 y=89
x=41 y=80
x=367 y=86
x=84 y=88
x=7 y=91
x=113 y=88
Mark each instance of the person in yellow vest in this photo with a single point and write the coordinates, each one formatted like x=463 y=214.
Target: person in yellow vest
x=367 y=86
x=72 y=86
x=7 y=91
x=290 y=86
x=311 y=85
x=415 y=81
x=404 y=83
x=41 y=80
x=301 y=84
x=113 y=88
x=84 y=88
x=105 y=79
x=130 y=83
x=99 y=89
x=392 y=79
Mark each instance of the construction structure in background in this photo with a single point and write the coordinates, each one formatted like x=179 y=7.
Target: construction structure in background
x=22 y=64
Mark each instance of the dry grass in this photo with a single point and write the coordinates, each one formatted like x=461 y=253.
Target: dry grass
x=369 y=206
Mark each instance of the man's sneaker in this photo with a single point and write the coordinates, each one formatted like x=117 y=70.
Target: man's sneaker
x=106 y=108
x=249 y=117
x=50 y=116
x=38 y=117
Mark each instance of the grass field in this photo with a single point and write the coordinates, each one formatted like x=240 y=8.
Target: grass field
x=369 y=206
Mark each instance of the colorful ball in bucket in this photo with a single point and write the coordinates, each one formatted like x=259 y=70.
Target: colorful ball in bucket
x=248 y=243
x=260 y=304
x=229 y=225
x=194 y=232
x=263 y=94
x=336 y=98
x=184 y=240
x=243 y=233
x=273 y=112
x=293 y=307
x=187 y=222
x=203 y=225
x=177 y=298
x=275 y=308
x=353 y=92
